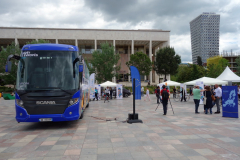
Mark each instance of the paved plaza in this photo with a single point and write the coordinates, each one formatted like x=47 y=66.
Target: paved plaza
x=104 y=134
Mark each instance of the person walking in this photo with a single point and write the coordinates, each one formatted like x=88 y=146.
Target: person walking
x=158 y=94
x=142 y=90
x=218 y=95
x=111 y=92
x=239 y=91
x=165 y=97
x=96 y=93
x=174 y=92
x=207 y=94
x=147 y=97
x=183 y=95
x=196 y=98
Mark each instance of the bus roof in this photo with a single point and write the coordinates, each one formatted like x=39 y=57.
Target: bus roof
x=49 y=47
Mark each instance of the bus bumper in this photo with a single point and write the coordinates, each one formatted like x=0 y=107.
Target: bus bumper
x=71 y=113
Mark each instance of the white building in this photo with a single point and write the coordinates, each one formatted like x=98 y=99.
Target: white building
x=205 y=36
x=126 y=42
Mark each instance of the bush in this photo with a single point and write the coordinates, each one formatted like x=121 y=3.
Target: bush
x=6 y=89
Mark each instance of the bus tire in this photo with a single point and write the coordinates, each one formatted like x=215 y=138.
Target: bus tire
x=81 y=115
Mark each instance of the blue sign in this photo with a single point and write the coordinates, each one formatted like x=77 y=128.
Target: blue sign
x=230 y=101
x=135 y=74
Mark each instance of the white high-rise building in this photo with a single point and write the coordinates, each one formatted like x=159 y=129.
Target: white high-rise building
x=205 y=36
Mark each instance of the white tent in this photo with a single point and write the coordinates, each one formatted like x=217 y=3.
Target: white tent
x=171 y=83
x=228 y=75
x=207 y=81
x=108 y=84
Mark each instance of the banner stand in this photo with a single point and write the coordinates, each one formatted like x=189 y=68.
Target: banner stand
x=133 y=117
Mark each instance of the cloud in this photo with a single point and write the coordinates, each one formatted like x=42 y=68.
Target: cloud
x=173 y=15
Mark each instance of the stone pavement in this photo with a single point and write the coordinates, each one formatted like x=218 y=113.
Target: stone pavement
x=104 y=134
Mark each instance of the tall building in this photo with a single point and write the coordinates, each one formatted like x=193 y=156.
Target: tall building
x=205 y=36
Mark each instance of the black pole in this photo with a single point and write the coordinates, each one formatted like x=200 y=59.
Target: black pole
x=134 y=98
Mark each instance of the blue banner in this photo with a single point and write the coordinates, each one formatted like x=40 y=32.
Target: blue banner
x=230 y=101
x=135 y=74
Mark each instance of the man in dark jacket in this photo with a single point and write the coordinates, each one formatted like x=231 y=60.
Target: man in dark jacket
x=165 y=97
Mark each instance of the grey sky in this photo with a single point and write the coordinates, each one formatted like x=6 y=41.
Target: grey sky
x=173 y=15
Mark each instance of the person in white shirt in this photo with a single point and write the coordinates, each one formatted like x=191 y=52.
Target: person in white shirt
x=218 y=95
x=106 y=94
x=147 y=96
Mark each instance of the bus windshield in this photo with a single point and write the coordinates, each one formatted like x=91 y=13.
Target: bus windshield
x=47 y=70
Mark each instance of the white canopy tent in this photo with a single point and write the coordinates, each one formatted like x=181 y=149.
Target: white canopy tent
x=228 y=75
x=108 y=84
x=207 y=81
x=170 y=83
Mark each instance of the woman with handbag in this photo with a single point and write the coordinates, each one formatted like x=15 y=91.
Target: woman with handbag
x=207 y=100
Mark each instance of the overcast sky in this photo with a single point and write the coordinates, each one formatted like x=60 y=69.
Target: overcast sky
x=173 y=15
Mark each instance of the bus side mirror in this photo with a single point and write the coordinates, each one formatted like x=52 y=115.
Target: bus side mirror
x=80 y=68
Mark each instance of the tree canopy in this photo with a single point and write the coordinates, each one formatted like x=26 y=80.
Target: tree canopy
x=166 y=61
x=216 y=68
x=104 y=63
x=199 y=61
x=141 y=61
x=10 y=78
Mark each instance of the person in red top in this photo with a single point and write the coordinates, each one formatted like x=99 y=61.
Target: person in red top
x=165 y=97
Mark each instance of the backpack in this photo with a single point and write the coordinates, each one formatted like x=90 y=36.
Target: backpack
x=155 y=91
x=165 y=95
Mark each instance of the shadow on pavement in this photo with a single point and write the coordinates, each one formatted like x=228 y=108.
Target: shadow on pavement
x=48 y=126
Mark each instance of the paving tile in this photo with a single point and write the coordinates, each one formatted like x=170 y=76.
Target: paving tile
x=172 y=137
x=205 y=152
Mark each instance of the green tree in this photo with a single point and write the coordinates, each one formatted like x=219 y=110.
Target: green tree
x=141 y=61
x=195 y=73
x=199 y=60
x=238 y=65
x=10 y=78
x=105 y=63
x=184 y=74
x=214 y=70
x=38 y=41
x=166 y=61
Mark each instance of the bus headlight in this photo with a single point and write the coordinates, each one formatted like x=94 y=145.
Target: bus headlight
x=19 y=102
x=72 y=101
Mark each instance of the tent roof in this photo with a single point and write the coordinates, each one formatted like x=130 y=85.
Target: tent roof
x=228 y=75
x=207 y=81
x=108 y=84
x=171 y=83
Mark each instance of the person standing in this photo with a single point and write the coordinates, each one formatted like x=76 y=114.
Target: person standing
x=208 y=95
x=174 y=92
x=96 y=93
x=142 y=90
x=190 y=90
x=196 y=98
x=239 y=91
x=165 y=97
x=183 y=95
x=111 y=92
x=218 y=95
x=158 y=94
x=147 y=95
x=106 y=94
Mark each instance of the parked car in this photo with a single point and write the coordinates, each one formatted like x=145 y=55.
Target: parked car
x=126 y=92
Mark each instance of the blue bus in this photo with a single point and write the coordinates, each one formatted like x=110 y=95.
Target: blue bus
x=52 y=83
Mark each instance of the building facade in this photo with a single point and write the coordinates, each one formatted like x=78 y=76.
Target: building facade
x=205 y=36
x=125 y=42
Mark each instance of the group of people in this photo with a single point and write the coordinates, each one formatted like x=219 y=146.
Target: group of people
x=211 y=97
x=108 y=92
